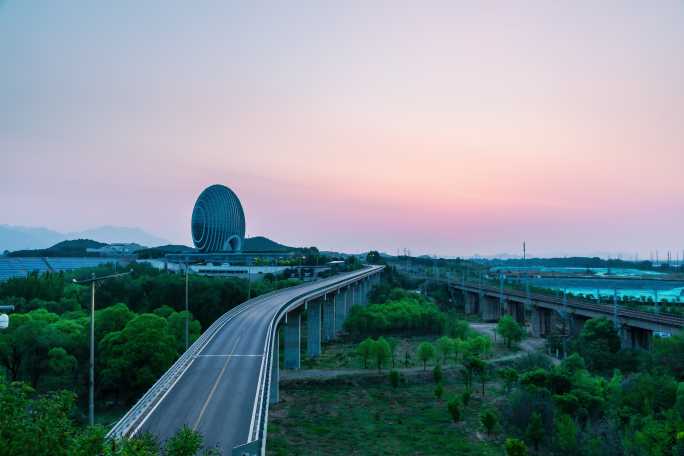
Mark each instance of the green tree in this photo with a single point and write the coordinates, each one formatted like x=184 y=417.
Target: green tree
x=669 y=352
x=454 y=408
x=365 y=350
x=515 y=447
x=535 y=430
x=465 y=398
x=510 y=330
x=489 y=420
x=393 y=344
x=437 y=373
x=566 y=435
x=444 y=347
x=134 y=358
x=439 y=391
x=381 y=352
x=509 y=376
x=185 y=442
x=176 y=322
x=374 y=257
x=598 y=342
x=426 y=352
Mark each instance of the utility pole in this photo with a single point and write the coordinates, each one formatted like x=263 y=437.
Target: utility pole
x=187 y=305
x=91 y=377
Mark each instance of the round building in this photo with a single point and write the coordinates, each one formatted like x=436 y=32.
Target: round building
x=218 y=221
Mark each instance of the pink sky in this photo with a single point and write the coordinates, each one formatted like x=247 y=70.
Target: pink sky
x=447 y=129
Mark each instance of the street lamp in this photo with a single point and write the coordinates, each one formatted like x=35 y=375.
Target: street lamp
x=187 y=305
x=91 y=382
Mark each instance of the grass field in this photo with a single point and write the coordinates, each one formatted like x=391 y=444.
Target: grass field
x=375 y=419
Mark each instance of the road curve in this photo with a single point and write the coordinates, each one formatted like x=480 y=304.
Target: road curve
x=216 y=392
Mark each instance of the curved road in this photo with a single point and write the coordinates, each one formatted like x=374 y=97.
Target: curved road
x=216 y=393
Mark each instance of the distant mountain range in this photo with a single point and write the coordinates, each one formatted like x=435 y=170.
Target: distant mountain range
x=26 y=238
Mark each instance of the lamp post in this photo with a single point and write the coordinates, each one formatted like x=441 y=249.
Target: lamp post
x=91 y=379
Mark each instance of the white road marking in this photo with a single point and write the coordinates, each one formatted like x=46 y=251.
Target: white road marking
x=229 y=356
x=213 y=388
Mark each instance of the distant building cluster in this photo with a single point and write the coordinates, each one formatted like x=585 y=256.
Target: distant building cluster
x=116 y=249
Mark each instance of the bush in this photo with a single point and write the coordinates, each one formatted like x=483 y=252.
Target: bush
x=465 y=398
x=515 y=447
x=410 y=315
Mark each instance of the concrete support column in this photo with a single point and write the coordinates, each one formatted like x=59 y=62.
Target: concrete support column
x=329 y=318
x=274 y=394
x=293 y=329
x=490 y=309
x=576 y=325
x=535 y=326
x=340 y=309
x=313 y=328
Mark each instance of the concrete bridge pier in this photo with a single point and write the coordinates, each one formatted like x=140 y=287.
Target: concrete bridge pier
x=490 y=309
x=274 y=388
x=328 y=318
x=470 y=304
x=635 y=338
x=292 y=336
x=340 y=309
x=313 y=328
x=576 y=325
x=542 y=321
x=517 y=311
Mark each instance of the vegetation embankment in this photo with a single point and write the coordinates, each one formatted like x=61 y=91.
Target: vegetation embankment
x=601 y=400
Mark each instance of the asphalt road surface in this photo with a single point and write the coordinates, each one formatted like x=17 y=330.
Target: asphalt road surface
x=215 y=395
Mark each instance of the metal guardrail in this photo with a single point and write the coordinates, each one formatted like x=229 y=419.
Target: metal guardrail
x=129 y=424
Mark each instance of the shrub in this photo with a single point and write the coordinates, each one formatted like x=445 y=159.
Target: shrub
x=465 y=398
x=515 y=447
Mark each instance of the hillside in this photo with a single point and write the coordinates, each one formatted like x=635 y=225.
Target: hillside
x=72 y=248
x=263 y=244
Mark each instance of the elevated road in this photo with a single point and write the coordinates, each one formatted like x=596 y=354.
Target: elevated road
x=220 y=387
x=632 y=317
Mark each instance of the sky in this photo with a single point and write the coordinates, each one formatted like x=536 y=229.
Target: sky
x=448 y=128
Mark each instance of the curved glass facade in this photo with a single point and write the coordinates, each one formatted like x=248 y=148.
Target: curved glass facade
x=218 y=221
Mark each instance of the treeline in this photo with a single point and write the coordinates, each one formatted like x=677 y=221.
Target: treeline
x=145 y=290
x=139 y=328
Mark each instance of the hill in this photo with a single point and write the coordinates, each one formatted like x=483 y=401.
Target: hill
x=29 y=238
x=72 y=248
x=263 y=244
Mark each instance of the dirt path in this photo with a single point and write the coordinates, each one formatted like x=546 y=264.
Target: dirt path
x=528 y=345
